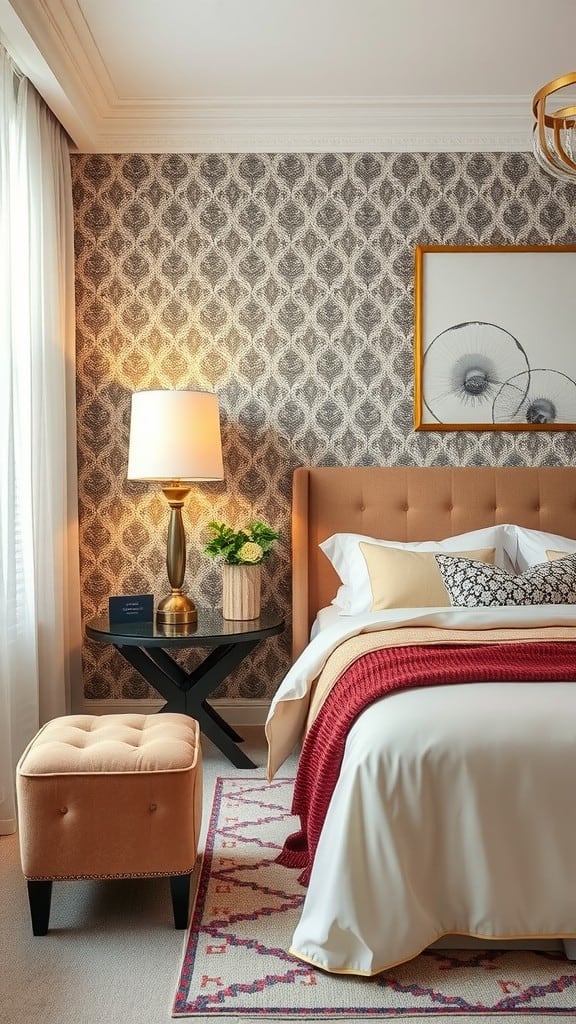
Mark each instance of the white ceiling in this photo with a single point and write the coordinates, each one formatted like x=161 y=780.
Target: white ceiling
x=282 y=75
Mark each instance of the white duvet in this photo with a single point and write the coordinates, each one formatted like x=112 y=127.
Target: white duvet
x=454 y=809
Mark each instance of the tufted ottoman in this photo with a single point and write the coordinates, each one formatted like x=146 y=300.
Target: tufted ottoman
x=110 y=796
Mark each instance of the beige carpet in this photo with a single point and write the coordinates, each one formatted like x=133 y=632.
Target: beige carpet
x=112 y=955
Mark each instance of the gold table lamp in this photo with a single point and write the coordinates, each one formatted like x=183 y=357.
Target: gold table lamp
x=175 y=438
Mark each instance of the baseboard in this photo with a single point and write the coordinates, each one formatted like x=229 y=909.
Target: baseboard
x=236 y=711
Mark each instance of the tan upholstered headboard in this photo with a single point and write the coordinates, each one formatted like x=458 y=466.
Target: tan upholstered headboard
x=411 y=503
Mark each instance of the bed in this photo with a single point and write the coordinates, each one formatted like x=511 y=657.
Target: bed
x=440 y=807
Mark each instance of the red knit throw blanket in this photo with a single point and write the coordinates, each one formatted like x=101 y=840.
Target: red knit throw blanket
x=384 y=671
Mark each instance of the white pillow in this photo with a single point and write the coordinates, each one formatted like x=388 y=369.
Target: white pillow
x=343 y=551
x=532 y=546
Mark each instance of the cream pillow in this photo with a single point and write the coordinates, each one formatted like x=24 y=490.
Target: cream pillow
x=410 y=579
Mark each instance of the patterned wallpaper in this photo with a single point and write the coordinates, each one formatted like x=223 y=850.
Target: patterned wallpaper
x=285 y=284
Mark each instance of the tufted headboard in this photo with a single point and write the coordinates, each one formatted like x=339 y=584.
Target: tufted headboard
x=411 y=503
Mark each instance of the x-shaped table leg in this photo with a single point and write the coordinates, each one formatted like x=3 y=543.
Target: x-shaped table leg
x=186 y=692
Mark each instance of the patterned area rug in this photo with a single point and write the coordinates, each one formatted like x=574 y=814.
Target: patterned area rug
x=236 y=964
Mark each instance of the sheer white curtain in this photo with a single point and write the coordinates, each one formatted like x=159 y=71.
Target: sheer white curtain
x=39 y=580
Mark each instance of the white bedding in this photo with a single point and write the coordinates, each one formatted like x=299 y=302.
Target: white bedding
x=325 y=617
x=453 y=812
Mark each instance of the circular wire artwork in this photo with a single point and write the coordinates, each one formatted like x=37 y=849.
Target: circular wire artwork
x=467 y=366
x=535 y=396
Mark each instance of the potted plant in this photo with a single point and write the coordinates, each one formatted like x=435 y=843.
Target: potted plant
x=241 y=553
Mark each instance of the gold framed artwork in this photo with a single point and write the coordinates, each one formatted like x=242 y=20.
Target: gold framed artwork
x=495 y=338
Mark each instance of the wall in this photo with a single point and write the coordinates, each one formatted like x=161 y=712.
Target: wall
x=284 y=283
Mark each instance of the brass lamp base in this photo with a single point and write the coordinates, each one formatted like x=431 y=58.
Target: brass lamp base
x=176 y=610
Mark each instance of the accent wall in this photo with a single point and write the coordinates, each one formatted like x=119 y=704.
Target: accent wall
x=285 y=284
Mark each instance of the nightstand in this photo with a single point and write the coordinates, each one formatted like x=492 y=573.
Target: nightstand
x=145 y=646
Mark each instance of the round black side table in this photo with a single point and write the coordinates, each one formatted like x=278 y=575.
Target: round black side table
x=145 y=646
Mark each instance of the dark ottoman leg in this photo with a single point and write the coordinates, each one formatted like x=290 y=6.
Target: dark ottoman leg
x=39 y=897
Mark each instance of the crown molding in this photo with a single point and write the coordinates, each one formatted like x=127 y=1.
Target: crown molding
x=317 y=125
x=313 y=125
x=33 y=45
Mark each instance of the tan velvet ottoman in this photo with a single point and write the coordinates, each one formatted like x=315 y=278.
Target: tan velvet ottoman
x=110 y=796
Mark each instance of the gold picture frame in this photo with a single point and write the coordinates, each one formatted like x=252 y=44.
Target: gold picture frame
x=494 y=337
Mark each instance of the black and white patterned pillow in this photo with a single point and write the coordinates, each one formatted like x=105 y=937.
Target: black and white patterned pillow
x=473 y=584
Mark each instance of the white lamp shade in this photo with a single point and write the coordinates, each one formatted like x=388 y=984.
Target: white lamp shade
x=175 y=435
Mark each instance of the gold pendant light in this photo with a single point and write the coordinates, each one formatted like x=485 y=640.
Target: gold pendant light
x=554 y=133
